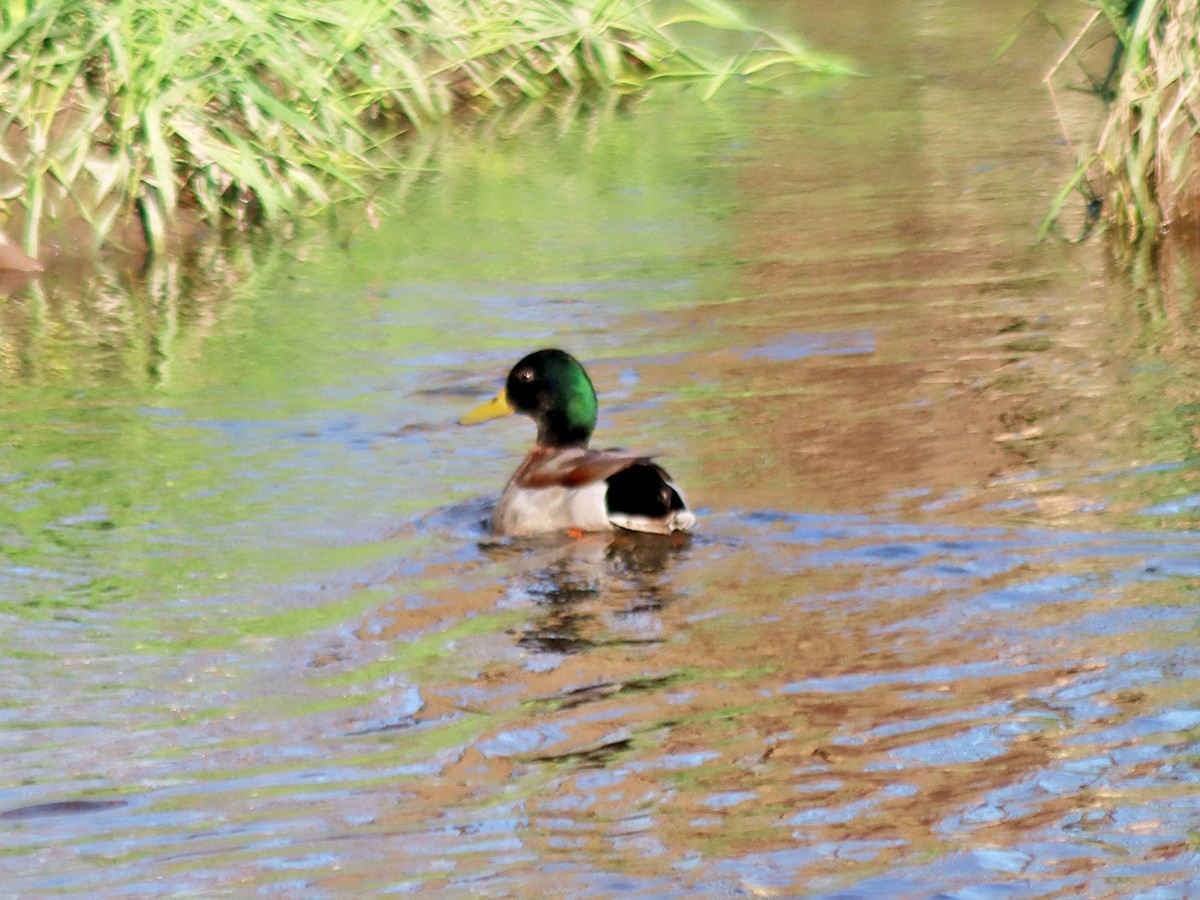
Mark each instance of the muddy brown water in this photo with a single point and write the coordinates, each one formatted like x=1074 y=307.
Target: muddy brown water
x=934 y=636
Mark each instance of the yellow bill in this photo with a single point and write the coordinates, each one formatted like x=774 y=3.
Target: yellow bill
x=495 y=408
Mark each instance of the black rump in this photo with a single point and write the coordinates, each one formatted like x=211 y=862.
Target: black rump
x=642 y=490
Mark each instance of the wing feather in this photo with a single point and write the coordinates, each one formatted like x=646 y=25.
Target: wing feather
x=573 y=467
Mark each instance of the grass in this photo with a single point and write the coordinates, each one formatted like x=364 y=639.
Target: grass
x=1143 y=174
x=244 y=111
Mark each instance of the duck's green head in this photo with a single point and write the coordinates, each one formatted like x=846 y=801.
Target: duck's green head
x=551 y=387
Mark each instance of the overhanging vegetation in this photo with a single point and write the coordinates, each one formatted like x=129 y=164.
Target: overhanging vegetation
x=252 y=110
x=1143 y=174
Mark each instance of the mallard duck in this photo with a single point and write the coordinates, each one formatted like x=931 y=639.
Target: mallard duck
x=562 y=485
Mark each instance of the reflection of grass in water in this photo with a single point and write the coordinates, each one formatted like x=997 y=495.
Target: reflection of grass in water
x=115 y=327
x=1158 y=348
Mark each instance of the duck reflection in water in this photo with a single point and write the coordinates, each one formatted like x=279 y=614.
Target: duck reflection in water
x=593 y=591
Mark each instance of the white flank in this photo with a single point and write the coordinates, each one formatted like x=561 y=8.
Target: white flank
x=531 y=511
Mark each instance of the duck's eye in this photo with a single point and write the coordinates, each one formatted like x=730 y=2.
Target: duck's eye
x=525 y=375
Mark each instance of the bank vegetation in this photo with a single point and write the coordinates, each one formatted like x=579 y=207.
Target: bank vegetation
x=1141 y=177
x=225 y=112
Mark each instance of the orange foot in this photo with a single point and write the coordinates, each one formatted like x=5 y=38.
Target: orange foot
x=576 y=533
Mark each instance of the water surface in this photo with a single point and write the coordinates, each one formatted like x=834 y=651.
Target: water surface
x=935 y=634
